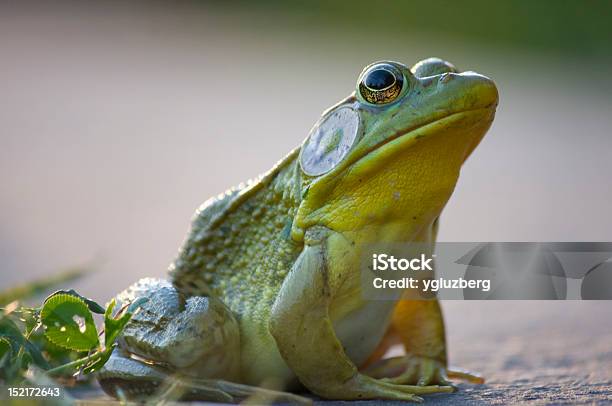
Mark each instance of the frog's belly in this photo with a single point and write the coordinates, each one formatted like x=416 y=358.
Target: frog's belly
x=362 y=330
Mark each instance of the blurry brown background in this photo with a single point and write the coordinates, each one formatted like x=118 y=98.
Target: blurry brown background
x=117 y=120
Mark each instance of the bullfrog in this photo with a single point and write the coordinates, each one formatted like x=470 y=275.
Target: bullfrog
x=266 y=289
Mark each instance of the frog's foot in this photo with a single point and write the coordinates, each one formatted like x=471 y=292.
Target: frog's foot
x=365 y=387
x=196 y=337
x=418 y=370
x=410 y=370
x=462 y=374
x=128 y=378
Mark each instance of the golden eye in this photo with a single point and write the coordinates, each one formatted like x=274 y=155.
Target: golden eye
x=381 y=84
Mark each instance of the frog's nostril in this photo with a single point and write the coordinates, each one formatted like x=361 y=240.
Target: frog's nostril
x=445 y=78
x=432 y=67
x=475 y=90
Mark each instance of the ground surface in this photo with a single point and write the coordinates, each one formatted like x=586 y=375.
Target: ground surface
x=534 y=352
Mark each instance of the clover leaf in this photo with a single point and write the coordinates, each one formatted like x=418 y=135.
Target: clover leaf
x=69 y=323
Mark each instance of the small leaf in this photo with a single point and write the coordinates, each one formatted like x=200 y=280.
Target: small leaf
x=30 y=318
x=113 y=327
x=69 y=323
x=24 y=359
x=9 y=329
x=93 y=306
x=99 y=362
x=5 y=351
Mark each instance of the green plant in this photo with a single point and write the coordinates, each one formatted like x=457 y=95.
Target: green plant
x=60 y=337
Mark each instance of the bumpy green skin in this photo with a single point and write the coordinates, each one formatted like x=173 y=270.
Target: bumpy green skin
x=271 y=268
x=244 y=229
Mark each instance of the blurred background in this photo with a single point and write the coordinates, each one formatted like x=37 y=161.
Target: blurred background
x=117 y=119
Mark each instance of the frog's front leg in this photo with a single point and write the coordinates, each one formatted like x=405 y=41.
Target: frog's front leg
x=195 y=338
x=301 y=325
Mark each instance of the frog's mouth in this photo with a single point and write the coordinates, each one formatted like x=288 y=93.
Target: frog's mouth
x=471 y=124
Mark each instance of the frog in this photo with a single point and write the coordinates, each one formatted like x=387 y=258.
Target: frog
x=265 y=291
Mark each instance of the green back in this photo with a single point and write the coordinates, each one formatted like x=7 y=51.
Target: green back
x=239 y=249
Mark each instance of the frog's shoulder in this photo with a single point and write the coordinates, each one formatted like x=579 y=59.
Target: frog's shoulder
x=215 y=207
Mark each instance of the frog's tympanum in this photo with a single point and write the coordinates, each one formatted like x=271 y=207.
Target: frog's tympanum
x=266 y=289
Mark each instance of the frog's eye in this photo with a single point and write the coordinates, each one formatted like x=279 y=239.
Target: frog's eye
x=329 y=141
x=381 y=84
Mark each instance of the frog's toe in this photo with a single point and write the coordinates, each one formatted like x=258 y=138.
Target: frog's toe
x=125 y=378
x=128 y=378
x=365 y=387
x=428 y=373
x=411 y=370
x=462 y=374
x=442 y=379
x=186 y=388
x=433 y=372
